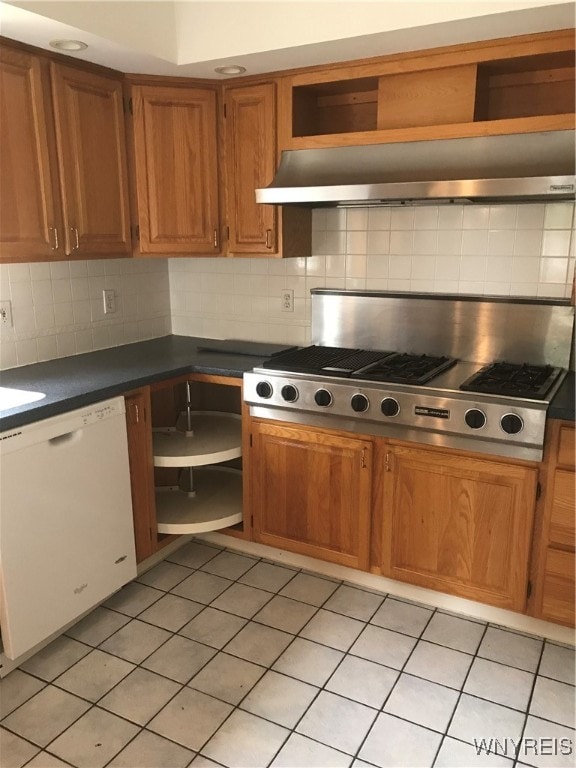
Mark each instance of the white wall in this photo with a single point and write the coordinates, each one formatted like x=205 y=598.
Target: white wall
x=524 y=250
x=58 y=310
x=259 y=26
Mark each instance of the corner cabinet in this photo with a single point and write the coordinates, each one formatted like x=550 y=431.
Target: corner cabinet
x=176 y=170
x=311 y=492
x=63 y=158
x=186 y=440
x=457 y=524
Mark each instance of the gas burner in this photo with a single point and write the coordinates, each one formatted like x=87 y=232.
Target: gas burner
x=514 y=380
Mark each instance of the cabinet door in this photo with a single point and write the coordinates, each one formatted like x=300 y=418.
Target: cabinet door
x=311 y=492
x=175 y=147
x=250 y=163
x=458 y=524
x=139 y=430
x=92 y=156
x=30 y=216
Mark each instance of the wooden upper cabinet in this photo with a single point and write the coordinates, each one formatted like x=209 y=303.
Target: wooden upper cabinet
x=512 y=85
x=458 y=524
x=176 y=168
x=92 y=154
x=30 y=212
x=250 y=138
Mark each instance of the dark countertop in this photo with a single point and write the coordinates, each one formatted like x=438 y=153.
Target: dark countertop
x=563 y=405
x=72 y=382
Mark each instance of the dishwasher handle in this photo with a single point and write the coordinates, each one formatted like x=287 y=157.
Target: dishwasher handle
x=65 y=438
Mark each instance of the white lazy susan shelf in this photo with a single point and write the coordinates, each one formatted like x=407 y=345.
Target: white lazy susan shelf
x=216 y=437
x=207 y=498
x=217 y=504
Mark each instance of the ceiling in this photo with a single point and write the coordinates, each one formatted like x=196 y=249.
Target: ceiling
x=189 y=38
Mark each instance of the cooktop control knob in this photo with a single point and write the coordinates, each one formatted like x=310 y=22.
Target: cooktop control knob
x=475 y=418
x=390 y=407
x=359 y=403
x=323 y=398
x=511 y=423
x=289 y=393
x=264 y=389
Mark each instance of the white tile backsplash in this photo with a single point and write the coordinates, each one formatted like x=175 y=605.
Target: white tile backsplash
x=517 y=250
x=57 y=307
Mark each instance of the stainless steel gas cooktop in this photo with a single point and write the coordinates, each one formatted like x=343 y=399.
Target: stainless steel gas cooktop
x=467 y=372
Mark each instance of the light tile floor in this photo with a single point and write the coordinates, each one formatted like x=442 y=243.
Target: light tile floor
x=216 y=658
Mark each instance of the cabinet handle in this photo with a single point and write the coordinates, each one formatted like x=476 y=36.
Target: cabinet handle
x=268 y=238
x=53 y=231
x=387 y=461
x=363 y=459
x=74 y=231
x=136 y=413
x=215 y=238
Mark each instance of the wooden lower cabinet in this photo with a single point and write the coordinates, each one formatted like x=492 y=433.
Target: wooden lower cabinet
x=458 y=524
x=554 y=550
x=311 y=492
x=139 y=429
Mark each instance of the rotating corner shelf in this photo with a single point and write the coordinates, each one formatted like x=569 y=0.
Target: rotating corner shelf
x=205 y=499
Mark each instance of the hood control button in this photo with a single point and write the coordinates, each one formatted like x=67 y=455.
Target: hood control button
x=323 y=398
x=475 y=418
x=390 y=407
x=359 y=403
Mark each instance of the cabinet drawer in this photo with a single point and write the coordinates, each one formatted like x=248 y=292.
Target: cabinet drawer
x=558 y=593
x=566 y=447
x=562 y=524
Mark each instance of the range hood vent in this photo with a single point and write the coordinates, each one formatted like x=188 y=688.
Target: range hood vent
x=525 y=167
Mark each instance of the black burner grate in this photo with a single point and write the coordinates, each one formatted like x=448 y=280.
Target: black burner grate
x=309 y=359
x=513 y=380
x=345 y=366
x=406 y=369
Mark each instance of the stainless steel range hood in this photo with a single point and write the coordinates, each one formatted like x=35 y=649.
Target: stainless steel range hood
x=524 y=167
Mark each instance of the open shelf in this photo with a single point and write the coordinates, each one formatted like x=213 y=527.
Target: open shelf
x=217 y=504
x=453 y=95
x=216 y=437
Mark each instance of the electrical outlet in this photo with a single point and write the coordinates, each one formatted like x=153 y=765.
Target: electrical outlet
x=6 y=314
x=287 y=298
x=109 y=299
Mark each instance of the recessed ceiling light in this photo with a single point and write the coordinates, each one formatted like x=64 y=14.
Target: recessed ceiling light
x=231 y=69
x=68 y=45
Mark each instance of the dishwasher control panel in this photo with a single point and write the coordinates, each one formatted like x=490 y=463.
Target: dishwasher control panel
x=64 y=424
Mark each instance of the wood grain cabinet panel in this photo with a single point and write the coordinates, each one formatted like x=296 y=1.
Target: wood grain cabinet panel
x=562 y=524
x=92 y=154
x=554 y=546
x=139 y=430
x=30 y=210
x=559 y=587
x=250 y=164
x=311 y=492
x=176 y=166
x=458 y=524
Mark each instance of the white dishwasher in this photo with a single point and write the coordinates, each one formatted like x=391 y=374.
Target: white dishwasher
x=66 y=529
